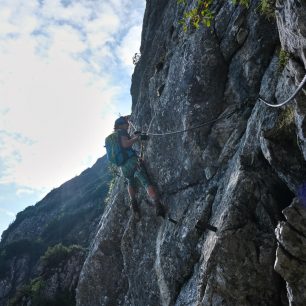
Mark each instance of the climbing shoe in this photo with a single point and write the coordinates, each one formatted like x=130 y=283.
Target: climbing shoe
x=201 y=226
x=160 y=210
x=134 y=206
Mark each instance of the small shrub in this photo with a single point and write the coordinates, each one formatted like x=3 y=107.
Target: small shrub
x=33 y=294
x=30 y=291
x=286 y=118
x=136 y=58
x=36 y=285
x=267 y=8
x=245 y=3
x=283 y=59
x=201 y=14
x=56 y=254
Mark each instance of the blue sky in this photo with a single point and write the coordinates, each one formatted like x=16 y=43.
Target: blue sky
x=65 y=73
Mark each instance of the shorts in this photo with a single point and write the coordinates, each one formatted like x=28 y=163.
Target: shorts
x=133 y=171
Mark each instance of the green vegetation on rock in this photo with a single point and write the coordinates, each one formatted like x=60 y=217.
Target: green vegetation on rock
x=286 y=118
x=283 y=59
x=58 y=253
x=245 y=3
x=201 y=14
x=33 y=293
x=267 y=8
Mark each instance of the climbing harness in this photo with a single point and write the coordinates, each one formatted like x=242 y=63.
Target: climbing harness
x=289 y=99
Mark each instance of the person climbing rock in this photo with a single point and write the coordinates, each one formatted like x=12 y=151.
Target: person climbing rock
x=131 y=165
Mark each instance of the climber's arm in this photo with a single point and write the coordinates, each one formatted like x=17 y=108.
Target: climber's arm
x=127 y=143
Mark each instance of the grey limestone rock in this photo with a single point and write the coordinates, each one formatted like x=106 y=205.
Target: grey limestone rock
x=103 y=270
x=290 y=256
x=237 y=172
x=217 y=156
x=291 y=17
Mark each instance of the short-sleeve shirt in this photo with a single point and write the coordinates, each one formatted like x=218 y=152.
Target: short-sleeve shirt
x=131 y=169
x=130 y=151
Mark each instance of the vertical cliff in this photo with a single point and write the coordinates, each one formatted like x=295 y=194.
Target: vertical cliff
x=237 y=172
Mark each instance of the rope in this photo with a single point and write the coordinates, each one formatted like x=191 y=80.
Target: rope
x=193 y=127
x=289 y=99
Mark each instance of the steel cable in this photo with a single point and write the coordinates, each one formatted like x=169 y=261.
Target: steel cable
x=289 y=99
x=193 y=127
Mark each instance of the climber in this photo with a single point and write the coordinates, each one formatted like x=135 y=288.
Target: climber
x=133 y=168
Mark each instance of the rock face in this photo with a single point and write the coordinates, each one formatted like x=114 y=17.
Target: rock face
x=237 y=172
x=69 y=215
x=216 y=154
x=291 y=252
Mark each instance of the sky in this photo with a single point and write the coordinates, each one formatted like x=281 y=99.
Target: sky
x=65 y=76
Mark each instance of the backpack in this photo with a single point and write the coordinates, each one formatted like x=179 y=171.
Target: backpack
x=115 y=153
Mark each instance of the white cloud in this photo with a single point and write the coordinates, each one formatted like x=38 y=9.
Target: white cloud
x=129 y=46
x=101 y=30
x=65 y=40
x=77 y=12
x=60 y=111
x=5 y=26
x=17 y=17
x=24 y=191
x=57 y=69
